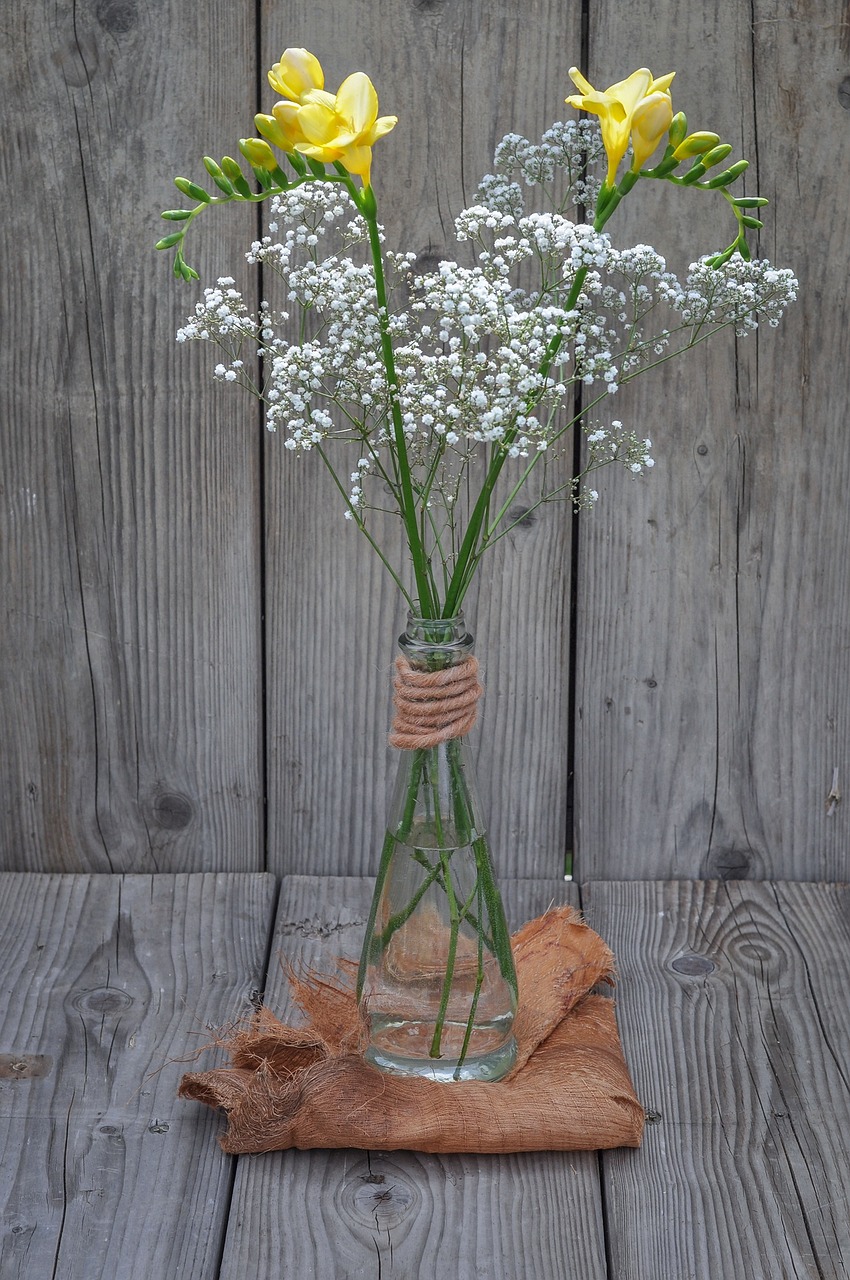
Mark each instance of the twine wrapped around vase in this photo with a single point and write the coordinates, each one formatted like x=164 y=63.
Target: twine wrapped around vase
x=433 y=706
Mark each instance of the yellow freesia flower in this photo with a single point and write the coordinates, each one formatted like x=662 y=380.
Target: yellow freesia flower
x=343 y=128
x=297 y=73
x=616 y=108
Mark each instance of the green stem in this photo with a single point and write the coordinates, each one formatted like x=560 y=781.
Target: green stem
x=460 y=578
x=421 y=569
x=388 y=848
x=434 y=782
x=367 y=953
x=454 y=924
x=479 y=982
x=362 y=527
x=382 y=940
x=468 y=554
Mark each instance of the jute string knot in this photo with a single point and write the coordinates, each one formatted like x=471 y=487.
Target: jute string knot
x=433 y=706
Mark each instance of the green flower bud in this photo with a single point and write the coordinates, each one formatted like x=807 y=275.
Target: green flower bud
x=750 y=202
x=235 y=175
x=192 y=190
x=678 y=129
x=367 y=202
x=752 y=222
x=694 y=174
x=716 y=154
x=231 y=169
x=176 y=215
x=728 y=175
x=720 y=259
x=223 y=185
x=263 y=178
x=213 y=169
x=167 y=241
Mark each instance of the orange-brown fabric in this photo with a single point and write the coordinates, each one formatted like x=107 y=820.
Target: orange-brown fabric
x=309 y=1086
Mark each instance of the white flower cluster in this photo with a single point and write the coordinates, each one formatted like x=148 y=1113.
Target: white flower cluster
x=571 y=150
x=616 y=444
x=222 y=314
x=740 y=294
x=487 y=357
x=309 y=212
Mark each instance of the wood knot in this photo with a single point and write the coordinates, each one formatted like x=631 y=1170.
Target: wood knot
x=692 y=965
x=117 y=16
x=172 y=810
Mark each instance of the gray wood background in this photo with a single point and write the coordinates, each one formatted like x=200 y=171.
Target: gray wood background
x=195 y=652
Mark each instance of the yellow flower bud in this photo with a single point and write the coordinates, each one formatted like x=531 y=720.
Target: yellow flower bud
x=258 y=153
x=275 y=133
x=696 y=144
x=297 y=73
x=650 y=122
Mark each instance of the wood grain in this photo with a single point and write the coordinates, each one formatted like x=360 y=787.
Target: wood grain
x=110 y=984
x=733 y=1013
x=714 y=597
x=129 y=519
x=352 y=1214
x=458 y=76
x=142 y=508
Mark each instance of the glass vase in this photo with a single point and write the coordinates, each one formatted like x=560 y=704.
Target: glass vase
x=436 y=984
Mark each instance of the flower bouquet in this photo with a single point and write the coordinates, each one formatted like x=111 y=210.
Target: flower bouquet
x=440 y=396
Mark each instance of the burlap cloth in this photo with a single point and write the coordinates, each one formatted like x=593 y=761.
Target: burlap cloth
x=308 y=1086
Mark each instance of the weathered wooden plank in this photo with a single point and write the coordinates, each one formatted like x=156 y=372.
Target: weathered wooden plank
x=733 y=1012
x=459 y=76
x=712 y=694
x=130 y=513
x=109 y=984
x=403 y=1214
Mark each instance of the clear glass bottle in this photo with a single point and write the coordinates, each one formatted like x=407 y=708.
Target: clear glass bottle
x=436 y=983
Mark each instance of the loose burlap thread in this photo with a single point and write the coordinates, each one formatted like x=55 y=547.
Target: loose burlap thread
x=433 y=706
x=309 y=1086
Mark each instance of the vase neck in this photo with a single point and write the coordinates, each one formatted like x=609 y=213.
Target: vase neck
x=441 y=641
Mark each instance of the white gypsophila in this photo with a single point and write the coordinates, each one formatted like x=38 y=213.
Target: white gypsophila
x=489 y=357
x=501 y=195
x=617 y=444
x=570 y=150
x=739 y=294
x=222 y=313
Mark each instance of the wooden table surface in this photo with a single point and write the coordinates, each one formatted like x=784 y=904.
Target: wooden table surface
x=733 y=1007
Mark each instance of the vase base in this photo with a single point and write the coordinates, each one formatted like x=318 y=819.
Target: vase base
x=485 y=1068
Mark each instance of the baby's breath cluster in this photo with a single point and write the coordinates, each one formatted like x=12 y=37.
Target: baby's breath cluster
x=500 y=356
x=570 y=151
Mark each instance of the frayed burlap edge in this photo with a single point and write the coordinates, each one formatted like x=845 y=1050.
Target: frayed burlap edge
x=309 y=1086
